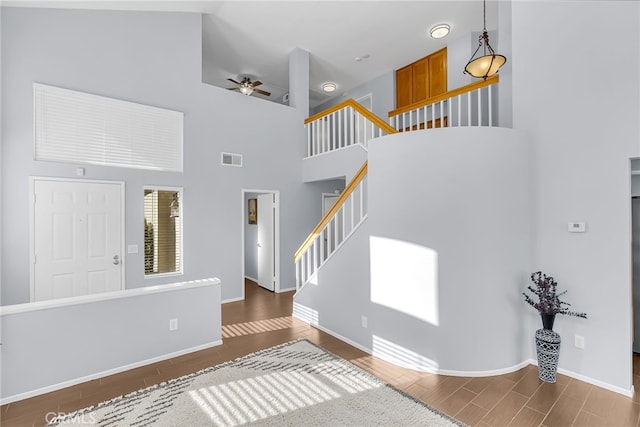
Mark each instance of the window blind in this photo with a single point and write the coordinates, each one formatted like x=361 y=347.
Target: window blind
x=78 y=127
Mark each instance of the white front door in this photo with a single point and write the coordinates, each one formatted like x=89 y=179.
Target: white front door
x=77 y=238
x=266 y=242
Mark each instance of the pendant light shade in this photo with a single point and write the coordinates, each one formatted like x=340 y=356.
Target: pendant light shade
x=490 y=62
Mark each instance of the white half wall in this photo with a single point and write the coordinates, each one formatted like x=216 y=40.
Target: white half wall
x=54 y=344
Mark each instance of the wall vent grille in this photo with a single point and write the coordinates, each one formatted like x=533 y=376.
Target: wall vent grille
x=231 y=159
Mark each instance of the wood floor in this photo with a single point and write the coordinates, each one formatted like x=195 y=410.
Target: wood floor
x=264 y=319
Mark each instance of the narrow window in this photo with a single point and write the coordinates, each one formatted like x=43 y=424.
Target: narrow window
x=162 y=231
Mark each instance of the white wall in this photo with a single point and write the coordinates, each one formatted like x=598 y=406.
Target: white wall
x=581 y=114
x=151 y=58
x=381 y=89
x=54 y=344
x=439 y=266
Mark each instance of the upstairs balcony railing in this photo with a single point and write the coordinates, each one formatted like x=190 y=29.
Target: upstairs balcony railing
x=470 y=105
x=341 y=126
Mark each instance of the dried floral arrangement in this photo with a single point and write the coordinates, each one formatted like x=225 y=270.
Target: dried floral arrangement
x=549 y=301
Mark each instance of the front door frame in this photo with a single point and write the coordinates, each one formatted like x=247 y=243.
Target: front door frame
x=32 y=241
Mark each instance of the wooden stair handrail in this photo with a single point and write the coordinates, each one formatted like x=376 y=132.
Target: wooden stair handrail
x=362 y=172
x=360 y=109
x=462 y=89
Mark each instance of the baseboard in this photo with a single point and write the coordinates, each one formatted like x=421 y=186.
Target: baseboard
x=286 y=290
x=597 y=383
x=232 y=300
x=336 y=335
x=65 y=384
x=251 y=278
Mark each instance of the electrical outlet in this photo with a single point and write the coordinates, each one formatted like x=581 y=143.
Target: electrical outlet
x=579 y=341
x=173 y=324
x=364 y=321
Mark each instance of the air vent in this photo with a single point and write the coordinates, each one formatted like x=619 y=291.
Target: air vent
x=231 y=159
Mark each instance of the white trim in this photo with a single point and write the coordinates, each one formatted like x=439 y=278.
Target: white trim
x=104 y=296
x=297 y=314
x=276 y=232
x=180 y=191
x=598 y=383
x=355 y=144
x=251 y=278
x=226 y=301
x=119 y=369
x=286 y=290
x=32 y=243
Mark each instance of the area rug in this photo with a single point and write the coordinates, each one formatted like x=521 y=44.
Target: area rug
x=293 y=384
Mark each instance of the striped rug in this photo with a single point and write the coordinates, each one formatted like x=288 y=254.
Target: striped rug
x=293 y=384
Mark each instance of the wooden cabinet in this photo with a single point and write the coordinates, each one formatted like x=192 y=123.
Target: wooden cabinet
x=423 y=79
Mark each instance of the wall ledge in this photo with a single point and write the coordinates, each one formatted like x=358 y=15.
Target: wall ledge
x=105 y=296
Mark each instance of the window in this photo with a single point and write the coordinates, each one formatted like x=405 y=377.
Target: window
x=162 y=231
x=77 y=127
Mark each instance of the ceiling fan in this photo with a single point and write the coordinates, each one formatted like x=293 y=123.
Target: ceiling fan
x=247 y=87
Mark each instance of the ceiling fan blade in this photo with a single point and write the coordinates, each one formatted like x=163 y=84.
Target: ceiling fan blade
x=233 y=88
x=262 y=92
x=256 y=83
x=233 y=81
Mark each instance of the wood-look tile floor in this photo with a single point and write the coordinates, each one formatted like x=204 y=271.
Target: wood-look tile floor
x=264 y=319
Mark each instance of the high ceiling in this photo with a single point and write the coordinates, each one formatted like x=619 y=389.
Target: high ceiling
x=254 y=38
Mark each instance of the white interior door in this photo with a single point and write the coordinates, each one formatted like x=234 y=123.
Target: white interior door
x=266 y=241
x=635 y=227
x=77 y=238
x=328 y=200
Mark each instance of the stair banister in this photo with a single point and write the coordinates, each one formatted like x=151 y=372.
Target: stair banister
x=338 y=127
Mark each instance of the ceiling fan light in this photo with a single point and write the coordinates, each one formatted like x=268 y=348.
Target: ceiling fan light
x=439 y=31
x=246 y=90
x=329 y=87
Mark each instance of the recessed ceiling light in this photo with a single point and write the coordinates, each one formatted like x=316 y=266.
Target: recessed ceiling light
x=439 y=31
x=329 y=87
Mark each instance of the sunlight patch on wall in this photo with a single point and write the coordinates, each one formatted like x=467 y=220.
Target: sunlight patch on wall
x=398 y=355
x=404 y=277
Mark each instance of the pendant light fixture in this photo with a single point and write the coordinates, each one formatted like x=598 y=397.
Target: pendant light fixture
x=488 y=64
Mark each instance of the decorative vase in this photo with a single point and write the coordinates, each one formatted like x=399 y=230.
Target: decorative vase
x=548 y=352
x=547 y=320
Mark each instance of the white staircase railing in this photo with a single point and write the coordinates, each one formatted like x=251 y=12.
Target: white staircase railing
x=470 y=105
x=341 y=126
x=344 y=217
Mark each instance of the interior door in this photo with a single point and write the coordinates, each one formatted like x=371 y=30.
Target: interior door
x=635 y=240
x=266 y=241
x=77 y=240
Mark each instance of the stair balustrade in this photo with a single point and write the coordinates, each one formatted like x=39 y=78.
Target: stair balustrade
x=344 y=217
x=341 y=126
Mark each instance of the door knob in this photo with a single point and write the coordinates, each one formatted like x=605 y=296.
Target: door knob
x=116 y=260
x=258 y=245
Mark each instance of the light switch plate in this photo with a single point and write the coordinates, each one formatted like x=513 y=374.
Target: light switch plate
x=132 y=249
